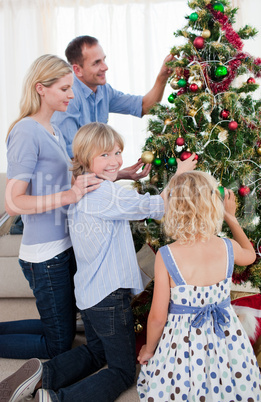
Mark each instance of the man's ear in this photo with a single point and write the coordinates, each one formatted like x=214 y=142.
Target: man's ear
x=77 y=70
x=39 y=88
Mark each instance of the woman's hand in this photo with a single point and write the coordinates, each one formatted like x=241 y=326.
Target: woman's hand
x=82 y=185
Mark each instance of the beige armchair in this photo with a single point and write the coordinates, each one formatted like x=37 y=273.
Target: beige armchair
x=12 y=281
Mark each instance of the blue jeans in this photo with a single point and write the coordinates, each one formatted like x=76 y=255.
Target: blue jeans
x=52 y=285
x=110 y=339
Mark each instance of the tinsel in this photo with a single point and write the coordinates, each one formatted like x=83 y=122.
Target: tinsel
x=230 y=34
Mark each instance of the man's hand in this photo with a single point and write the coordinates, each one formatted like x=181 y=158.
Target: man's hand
x=166 y=71
x=131 y=171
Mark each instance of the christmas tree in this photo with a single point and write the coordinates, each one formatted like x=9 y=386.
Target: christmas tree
x=211 y=111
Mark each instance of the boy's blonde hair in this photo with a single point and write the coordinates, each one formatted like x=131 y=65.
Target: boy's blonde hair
x=195 y=209
x=90 y=141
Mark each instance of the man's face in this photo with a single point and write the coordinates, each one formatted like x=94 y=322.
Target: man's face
x=93 y=71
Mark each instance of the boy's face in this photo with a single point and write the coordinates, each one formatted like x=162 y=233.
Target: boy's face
x=107 y=165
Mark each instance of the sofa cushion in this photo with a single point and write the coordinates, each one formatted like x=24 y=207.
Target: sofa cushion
x=10 y=245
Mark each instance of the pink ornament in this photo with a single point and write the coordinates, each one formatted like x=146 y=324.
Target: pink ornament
x=199 y=42
x=243 y=191
x=181 y=91
x=180 y=141
x=233 y=125
x=225 y=114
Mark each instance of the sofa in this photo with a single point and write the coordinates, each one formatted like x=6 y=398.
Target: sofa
x=12 y=281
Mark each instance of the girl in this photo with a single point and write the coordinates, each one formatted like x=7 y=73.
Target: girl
x=39 y=187
x=107 y=274
x=196 y=348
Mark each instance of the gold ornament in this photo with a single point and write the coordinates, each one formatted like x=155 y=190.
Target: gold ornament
x=192 y=112
x=147 y=157
x=154 y=179
x=198 y=83
x=179 y=71
x=168 y=122
x=259 y=151
x=159 y=222
x=174 y=83
x=138 y=327
x=206 y=34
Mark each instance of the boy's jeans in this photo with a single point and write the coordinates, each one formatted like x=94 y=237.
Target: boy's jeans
x=52 y=284
x=110 y=339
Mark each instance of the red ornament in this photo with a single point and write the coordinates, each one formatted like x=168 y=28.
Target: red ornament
x=180 y=141
x=251 y=80
x=185 y=155
x=233 y=125
x=225 y=114
x=193 y=87
x=196 y=157
x=199 y=42
x=243 y=191
x=181 y=91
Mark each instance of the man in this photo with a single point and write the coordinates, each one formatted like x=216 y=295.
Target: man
x=94 y=99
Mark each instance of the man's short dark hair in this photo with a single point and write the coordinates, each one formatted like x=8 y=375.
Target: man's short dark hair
x=73 y=51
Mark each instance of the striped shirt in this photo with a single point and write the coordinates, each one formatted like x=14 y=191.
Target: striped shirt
x=103 y=243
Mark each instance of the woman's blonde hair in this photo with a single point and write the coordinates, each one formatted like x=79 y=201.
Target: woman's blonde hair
x=195 y=209
x=47 y=69
x=90 y=141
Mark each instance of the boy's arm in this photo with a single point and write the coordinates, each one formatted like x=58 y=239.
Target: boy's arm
x=243 y=250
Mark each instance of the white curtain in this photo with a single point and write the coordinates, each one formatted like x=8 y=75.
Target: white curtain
x=135 y=35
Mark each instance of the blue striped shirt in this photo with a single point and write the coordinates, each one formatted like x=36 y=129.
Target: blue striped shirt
x=87 y=107
x=103 y=243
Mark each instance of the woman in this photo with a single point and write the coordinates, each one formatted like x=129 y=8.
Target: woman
x=39 y=188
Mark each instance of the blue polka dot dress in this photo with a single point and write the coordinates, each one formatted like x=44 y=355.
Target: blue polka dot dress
x=204 y=353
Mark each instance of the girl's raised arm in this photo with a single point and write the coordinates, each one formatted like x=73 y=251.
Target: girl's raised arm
x=243 y=250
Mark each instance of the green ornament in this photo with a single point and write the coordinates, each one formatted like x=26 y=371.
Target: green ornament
x=193 y=17
x=157 y=161
x=218 y=7
x=172 y=161
x=222 y=191
x=182 y=82
x=221 y=71
x=172 y=98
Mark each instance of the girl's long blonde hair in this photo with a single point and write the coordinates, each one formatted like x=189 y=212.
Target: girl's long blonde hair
x=47 y=69
x=90 y=141
x=195 y=209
